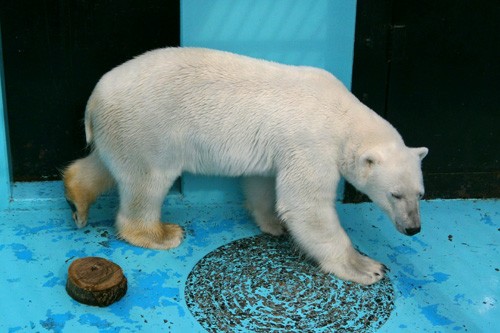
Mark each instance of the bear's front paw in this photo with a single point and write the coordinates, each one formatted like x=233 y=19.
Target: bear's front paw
x=357 y=268
x=275 y=228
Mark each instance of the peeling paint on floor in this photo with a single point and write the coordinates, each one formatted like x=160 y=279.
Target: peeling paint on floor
x=444 y=279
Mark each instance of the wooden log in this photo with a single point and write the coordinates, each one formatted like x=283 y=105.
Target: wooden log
x=95 y=281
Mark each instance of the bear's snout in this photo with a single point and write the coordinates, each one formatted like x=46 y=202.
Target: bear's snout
x=412 y=231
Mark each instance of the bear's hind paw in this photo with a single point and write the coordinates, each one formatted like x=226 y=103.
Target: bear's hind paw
x=161 y=236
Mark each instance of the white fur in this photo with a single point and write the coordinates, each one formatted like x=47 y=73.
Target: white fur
x=293 y=130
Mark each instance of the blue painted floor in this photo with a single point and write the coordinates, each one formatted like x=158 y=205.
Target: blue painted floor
x=445 y=279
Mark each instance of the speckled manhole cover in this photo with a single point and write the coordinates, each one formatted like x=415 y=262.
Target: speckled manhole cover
x=263 y=284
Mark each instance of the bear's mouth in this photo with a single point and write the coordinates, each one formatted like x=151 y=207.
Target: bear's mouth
x=408 y=231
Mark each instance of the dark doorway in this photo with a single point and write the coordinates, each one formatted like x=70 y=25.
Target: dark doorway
x=54 y=53
x=432 y=69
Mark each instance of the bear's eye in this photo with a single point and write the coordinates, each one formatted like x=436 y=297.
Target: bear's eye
x=421 y=195
x=397 y=196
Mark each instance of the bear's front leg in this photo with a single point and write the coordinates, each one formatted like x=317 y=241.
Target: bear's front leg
x=260 y=193
x=138 y=220
x=307 y=209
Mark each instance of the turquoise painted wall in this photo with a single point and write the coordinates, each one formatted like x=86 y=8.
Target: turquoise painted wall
x=316 y=33
x=300 y=32
x=5 y=180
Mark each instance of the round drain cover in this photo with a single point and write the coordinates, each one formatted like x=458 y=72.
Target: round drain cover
x=264 y=284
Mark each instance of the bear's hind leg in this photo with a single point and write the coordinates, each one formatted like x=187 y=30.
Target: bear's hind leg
x=84 y=180
x=260 y=193
x=138 y=221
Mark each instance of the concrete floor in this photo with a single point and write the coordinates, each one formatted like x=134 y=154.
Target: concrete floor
x=444 y=279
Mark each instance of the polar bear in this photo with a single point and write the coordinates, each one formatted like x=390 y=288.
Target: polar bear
x=292 y=131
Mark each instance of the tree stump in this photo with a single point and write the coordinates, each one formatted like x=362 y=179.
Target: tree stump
x=95 y=281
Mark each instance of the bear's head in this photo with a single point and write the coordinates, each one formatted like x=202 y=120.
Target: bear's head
x=391 y=176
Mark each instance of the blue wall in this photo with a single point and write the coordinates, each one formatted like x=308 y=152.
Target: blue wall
x=5 y=181
x=316 y=33
x=300 y=32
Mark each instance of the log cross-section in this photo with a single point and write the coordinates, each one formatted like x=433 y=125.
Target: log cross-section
x=95 y=281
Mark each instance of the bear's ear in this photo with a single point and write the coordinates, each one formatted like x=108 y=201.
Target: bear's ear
x=369 y=159
x=421 y=152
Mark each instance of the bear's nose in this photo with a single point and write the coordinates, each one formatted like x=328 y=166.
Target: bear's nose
x=412 y=231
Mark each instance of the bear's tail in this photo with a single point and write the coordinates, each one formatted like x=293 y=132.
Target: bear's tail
x=88 y=128
x=89 y=133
